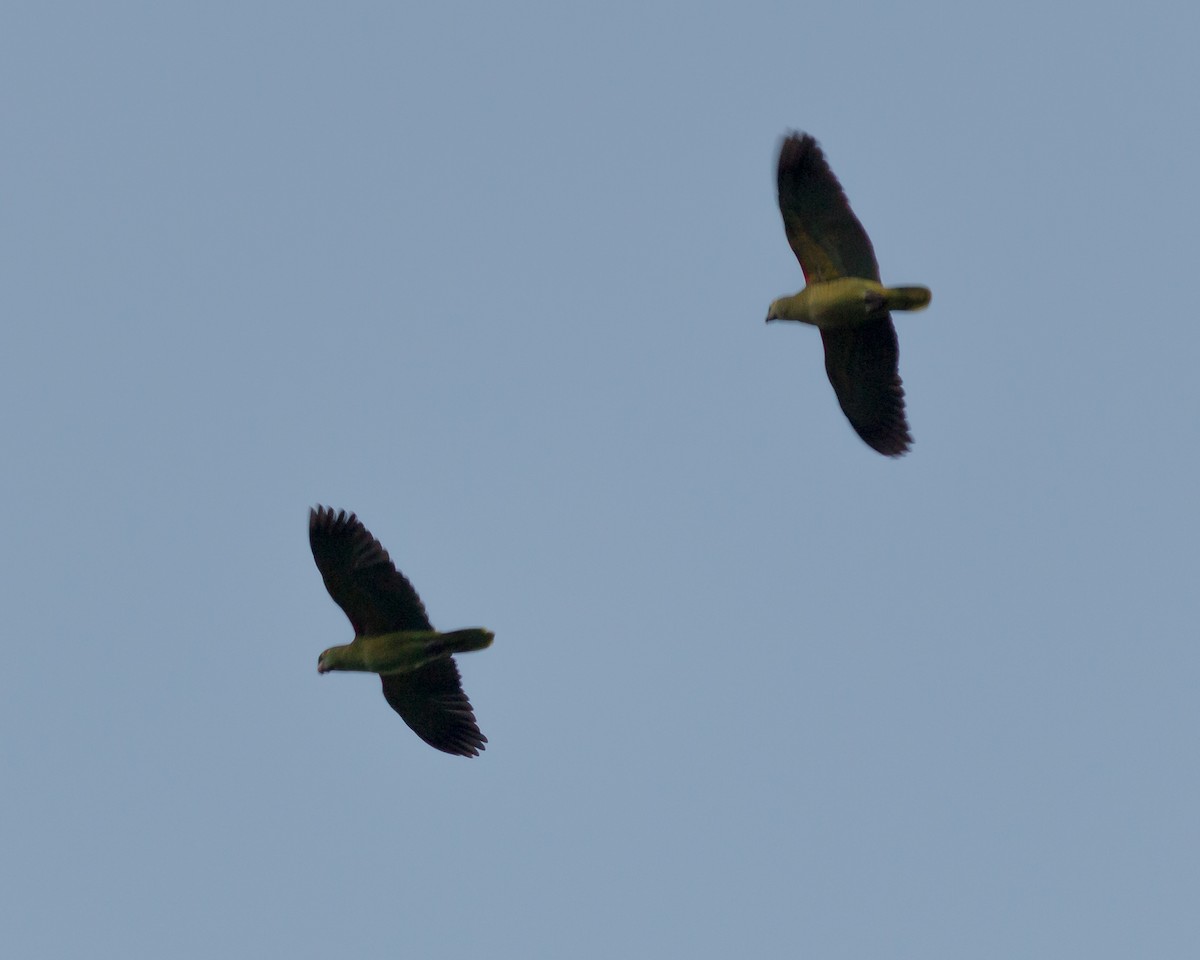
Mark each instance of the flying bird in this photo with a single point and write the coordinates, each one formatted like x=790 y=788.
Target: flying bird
x=843 y=296
x=393 y=636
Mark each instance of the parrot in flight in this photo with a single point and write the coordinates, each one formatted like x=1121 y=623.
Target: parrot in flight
x=393 y=636
x=843 y=296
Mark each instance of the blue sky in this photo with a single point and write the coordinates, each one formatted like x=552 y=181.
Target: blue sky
x=494 y=277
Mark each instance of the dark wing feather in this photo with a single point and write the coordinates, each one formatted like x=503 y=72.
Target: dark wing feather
x=432 y=703
x=863 y=363
x=361 y=577
x=823 y=231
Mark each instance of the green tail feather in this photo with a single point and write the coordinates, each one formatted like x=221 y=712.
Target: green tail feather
x=467 y=641
x=908 y=298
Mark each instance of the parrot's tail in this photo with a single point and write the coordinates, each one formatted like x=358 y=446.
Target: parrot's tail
x=463 y=641
x=908 y=298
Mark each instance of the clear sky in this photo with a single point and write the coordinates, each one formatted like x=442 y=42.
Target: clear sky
x=494 y=276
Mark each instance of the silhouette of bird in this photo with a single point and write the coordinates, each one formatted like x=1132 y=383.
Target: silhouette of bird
x=843 y=296
x=393 y=636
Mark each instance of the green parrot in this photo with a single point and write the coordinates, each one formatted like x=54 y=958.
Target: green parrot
x=843 y=296
x=393 y=636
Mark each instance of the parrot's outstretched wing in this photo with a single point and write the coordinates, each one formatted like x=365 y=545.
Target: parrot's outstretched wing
x=361 y=577
x=432 y=702
x=862 y=363
x=821 y=228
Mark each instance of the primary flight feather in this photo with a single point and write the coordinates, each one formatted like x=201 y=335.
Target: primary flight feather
x=843 y=296
x=393 y=636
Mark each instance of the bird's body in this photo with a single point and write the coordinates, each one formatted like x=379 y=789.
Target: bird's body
x=403 y=651
x=846 y=302
x=843 y=296
x=393 y=636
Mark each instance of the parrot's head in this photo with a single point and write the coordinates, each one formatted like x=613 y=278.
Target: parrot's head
x=323 y=662
x=773 y=312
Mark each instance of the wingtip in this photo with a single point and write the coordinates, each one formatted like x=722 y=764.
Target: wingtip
x=893 y=441
x=795 y=145
x=320 y=517
x=469 y=743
